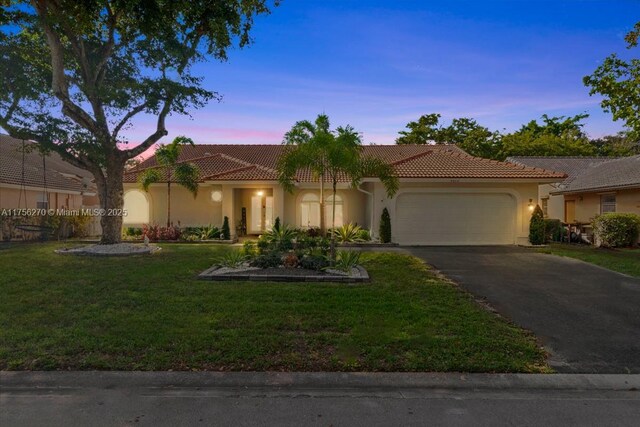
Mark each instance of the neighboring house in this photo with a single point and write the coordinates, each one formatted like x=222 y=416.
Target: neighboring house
x=446 y=196
x=593 y=186
x=31 y=182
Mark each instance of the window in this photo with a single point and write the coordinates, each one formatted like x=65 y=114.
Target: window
x=607 y=203
x=545 y=206
x=310 y=211
x=328 y=209
x=42 y=202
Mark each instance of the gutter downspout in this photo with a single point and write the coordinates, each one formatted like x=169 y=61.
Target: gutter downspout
x=372 y=201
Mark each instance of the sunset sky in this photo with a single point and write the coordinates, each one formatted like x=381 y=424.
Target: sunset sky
x=378 y=64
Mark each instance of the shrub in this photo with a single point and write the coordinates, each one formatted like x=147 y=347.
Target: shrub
x=536 y=227
x=209 y=232
x=280 y=239
x=346 y=260
x=553 y=230
x=313 y=232
x=226 y=232
x=268 y=260
x=385 y=227
x=314 y=262
x=249 y=249
x=348 y=233
x=232 y=259
x=155 y=233
x=364 y=235
x=276 y=225
x=290 y=260
x=617 y=229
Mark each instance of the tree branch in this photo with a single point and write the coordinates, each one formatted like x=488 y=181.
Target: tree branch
x=136 y=110
x=59 y=83
x=153 y=138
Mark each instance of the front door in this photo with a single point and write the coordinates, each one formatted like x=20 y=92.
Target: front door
x=261 y=214
x=569 y=211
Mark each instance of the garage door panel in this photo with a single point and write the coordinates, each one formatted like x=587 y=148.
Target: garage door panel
x=455 y=219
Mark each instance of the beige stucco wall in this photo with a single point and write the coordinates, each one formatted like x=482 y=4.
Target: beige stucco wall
x=10 y=199
x=555 y=206
x=521 y=192
x=185 y=209
x=588 y=204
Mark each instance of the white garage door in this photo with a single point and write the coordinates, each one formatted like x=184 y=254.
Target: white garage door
x=455 y=219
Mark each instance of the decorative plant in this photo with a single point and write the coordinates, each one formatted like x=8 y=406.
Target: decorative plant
x=553 y=230
x=364 y=235
x=385 y=227
x=155 y=232
x=226 y=232
x=536 y=227
x=209 y=232
x=232 y=259
x=249 y=249
x=267 y=260
x=348 y=233
x=281 y=238
x=276 y=225
x=290 y=260
x=346 y=260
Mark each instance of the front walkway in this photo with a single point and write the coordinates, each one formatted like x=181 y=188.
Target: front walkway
x=587 y=317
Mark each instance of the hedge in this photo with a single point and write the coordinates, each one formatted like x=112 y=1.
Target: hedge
x=617 y=229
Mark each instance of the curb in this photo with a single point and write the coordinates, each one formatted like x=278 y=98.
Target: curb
x=318 y=380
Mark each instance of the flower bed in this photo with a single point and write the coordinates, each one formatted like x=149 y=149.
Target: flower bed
x=285 y=253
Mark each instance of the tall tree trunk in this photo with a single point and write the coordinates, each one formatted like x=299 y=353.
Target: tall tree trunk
x=169 y=203
x=333 y=225
x=111 y=192
x=323 y=228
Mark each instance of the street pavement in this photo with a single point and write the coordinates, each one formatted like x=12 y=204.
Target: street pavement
x=316 y=399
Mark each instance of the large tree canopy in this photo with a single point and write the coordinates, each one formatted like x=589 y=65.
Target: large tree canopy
x=73 y=75
x=466 y=133
x=618 y=81
x=555 y=136
x=551 y=136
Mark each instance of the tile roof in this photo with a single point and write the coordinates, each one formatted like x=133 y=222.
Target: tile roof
x=615 y=174
x=259 y=162
x=572 y=166
x=589 y=173
x=59 y=175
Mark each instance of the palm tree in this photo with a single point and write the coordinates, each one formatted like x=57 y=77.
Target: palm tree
x=334 y=156
x=306 y=148
x=185 y=174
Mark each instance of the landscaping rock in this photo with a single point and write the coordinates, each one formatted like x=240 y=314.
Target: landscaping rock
x=281 y=274
x=119 y=249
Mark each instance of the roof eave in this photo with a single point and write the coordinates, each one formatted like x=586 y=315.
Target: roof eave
x=596 y=189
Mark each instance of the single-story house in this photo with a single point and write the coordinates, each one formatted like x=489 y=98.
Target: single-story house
x=30 y=181
x=446 y=196
x=593 y=186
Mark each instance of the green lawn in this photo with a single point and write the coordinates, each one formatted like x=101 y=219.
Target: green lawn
x=625 y=261
x=150 y=313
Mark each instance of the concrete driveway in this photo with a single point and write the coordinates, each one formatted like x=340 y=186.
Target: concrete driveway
x=587 y=317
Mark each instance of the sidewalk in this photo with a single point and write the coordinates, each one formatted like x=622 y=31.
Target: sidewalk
x=245 y=398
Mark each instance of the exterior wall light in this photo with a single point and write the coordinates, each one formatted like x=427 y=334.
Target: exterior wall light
x=530 y=204
x=260 y=193
x=216 y=196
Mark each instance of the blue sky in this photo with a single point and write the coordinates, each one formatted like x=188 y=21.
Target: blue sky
x=378 y=64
